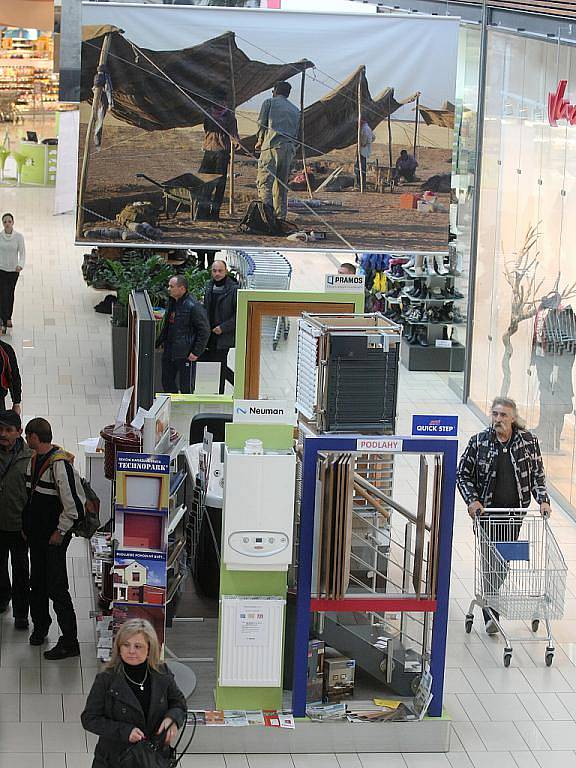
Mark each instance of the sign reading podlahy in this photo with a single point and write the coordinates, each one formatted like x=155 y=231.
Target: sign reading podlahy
x=379 y=444
x=344 y=283
x=263 y=412
x=438 y=426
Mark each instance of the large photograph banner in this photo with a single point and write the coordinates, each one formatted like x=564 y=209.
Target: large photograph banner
x=210 y=127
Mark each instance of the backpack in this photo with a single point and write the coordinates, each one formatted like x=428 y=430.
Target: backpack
x=260 y=219
x=86 y=526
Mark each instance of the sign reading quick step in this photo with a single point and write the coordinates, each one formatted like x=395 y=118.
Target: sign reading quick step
x=262 y=412
x=438 y=426
x=344 y=283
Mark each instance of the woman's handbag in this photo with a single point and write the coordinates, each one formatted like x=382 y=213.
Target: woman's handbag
x=153 y=753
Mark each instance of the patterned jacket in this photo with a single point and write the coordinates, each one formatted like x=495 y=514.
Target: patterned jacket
x=476 y=476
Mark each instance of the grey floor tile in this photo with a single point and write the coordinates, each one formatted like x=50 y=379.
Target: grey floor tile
x=55 y=760
x=9 y=708
x=77 y=760
x=557 y=759
x=554 y=706
x=57 y=735
x=507 y=680
x=546 y=680
x=469 y=737
x=19 y=655
x=349 y=761
x=22 y=760
x=454 y=707
x=491 y=759
x=270 y=761
x=500 y=736
x=236 y=761
x=210 y=761
x=61 y=679
x=30 y=680
x=426 y=760
x=9 y=680
x=377 y=760
x=315 y=761
x=38 y=708
x=20 y=737
x=73 y=706
x=503 y=706
x=473 y=707
x=532 y=735
x=525 y=760
x=459 y=760
x=559 y=734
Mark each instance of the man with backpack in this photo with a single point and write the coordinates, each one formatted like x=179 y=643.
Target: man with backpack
x=14 y=459
x=56 y=502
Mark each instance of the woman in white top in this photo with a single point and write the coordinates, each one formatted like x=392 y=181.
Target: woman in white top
x=12 y=259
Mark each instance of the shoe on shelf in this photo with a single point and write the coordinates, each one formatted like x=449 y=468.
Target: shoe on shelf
x=491 y=627
x=21 y=623
x=38 y=636
x=62 y=651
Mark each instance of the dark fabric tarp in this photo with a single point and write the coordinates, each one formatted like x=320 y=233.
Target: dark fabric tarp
x=143 y=95
x=332 y=122
x=442 y=117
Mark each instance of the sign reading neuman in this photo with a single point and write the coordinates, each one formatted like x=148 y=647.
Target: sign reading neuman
x=344 y=283
x=263 y=412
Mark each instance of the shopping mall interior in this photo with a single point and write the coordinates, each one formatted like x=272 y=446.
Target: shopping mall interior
x=297 y=542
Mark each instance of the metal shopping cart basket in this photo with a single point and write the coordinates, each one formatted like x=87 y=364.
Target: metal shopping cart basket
x=519 y=573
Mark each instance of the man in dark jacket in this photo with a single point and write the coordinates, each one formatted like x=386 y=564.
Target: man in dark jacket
x=502 y=469
x=14 y=458
x=184 y=336
x=55 y=501
x=220 y=299
x=10 y=380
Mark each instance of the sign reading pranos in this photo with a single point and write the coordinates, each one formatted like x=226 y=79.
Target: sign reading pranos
x=263 y=412
x=344 y=283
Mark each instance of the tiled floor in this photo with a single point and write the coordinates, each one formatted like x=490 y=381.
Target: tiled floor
x=503 y=718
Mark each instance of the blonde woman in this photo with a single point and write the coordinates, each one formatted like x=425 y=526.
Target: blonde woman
x=134 y=698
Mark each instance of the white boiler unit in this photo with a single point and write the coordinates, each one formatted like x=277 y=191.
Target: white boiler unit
x=258 y=510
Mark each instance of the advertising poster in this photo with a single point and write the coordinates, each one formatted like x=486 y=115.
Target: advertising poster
x=139 y=573
x=212 y=127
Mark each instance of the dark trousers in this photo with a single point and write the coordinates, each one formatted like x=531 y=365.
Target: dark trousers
x=183 y=370
x=213 y=195
x=219 y=356
x=357 y=173
x=49 y=581
x=495 y=571
x=13 y=546
x=8 y=282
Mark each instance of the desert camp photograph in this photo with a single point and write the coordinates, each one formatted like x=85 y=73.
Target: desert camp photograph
x=204 y=127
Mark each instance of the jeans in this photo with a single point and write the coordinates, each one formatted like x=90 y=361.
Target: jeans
x=13 y=545
x=357 y=174
x=8 y=282
x=219 y=356
x=210 y=202
x=183 y=370
x=49 y=581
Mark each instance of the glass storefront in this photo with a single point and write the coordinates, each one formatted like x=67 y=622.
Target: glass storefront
x=524 y=339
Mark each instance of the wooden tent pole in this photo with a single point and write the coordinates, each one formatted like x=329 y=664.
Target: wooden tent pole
x=231 y=189
x=97 y=95
x=302 y=145
x=389 y=137
x=416 y=124
x=359 y=132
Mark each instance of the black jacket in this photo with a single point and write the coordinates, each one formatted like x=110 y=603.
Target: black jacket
x=185 y=329
x=13 y=493
x=112 y=711
x=223 y=305
x=476 y=477
x=9 y=374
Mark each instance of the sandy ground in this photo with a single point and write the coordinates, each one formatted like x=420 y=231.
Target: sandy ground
x=369 y=221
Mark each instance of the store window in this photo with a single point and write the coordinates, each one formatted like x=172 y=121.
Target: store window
x=524 y=332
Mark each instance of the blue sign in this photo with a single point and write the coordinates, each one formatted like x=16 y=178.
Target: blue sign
x=436 y=426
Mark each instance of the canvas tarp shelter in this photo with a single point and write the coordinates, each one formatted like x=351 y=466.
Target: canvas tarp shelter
x=143 y=94
x=442 y=117
x=332 y=122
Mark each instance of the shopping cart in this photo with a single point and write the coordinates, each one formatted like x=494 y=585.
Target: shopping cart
x=520 y=573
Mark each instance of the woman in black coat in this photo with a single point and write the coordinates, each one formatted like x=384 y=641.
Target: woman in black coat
x=135 y=697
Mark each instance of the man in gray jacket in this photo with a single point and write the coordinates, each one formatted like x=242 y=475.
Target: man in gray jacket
x=14 y=458
x=278 y=137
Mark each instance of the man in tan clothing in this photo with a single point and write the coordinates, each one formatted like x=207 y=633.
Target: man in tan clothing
x=278 y=131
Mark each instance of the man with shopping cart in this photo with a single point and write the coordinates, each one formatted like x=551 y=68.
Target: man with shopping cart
x=501 y=469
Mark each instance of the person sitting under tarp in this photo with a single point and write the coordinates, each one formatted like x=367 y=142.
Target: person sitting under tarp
x=405 y=167
x=220 y=130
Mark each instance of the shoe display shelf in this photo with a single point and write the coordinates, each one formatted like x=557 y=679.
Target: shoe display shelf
x=424 y=299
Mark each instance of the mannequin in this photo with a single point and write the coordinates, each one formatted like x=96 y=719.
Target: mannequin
x=553 y=352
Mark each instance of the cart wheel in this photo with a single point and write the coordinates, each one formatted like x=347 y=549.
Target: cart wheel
x=549 y=656
x=507 y=656
x=535 y=625
x=468 y=623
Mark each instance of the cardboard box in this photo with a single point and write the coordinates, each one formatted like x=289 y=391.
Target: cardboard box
x=408 y=200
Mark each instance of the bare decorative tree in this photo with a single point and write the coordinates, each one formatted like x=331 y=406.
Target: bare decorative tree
x=521 y=276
